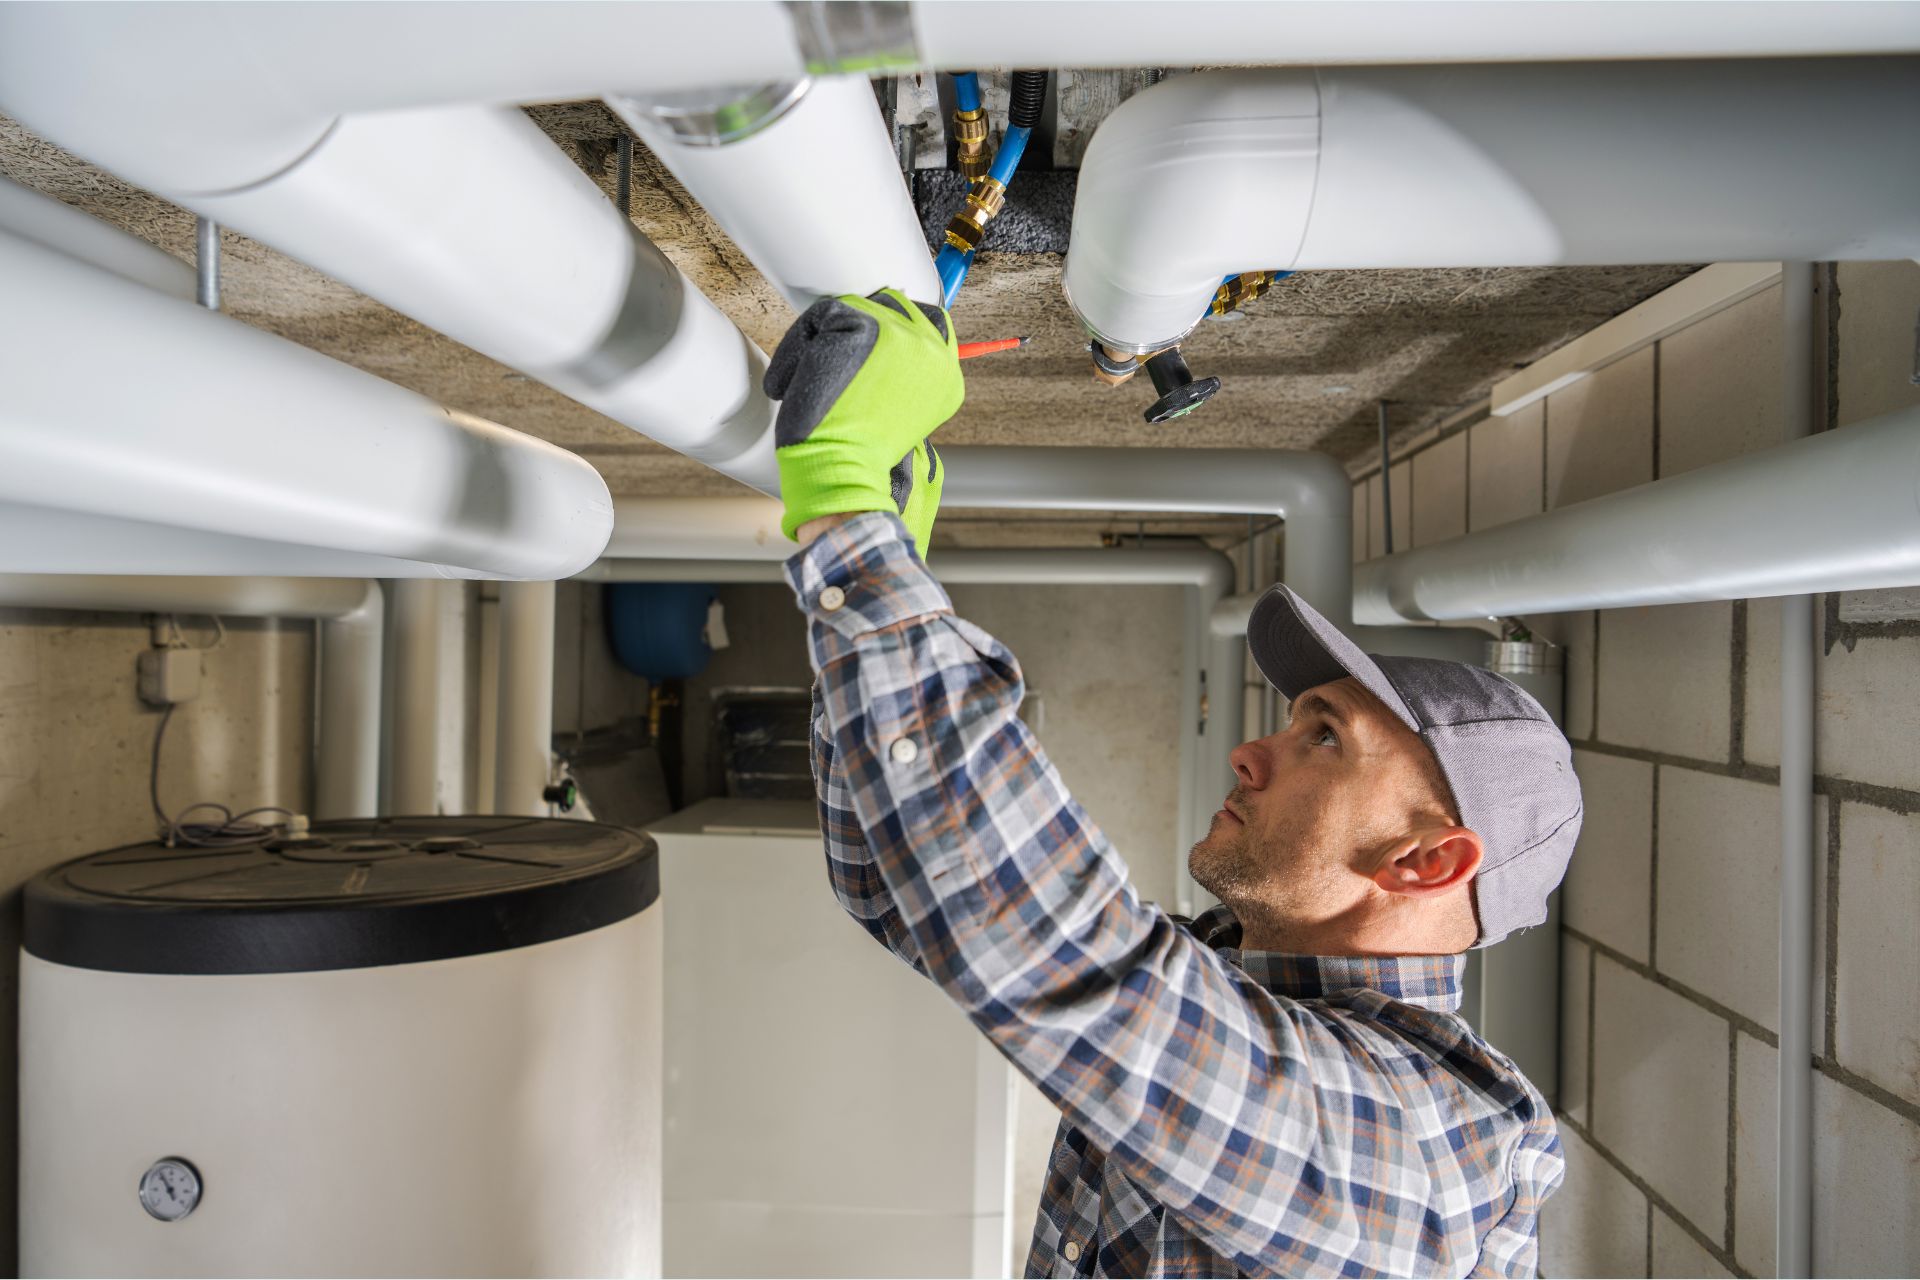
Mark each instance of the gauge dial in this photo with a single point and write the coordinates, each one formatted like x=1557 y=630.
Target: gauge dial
x=170 y=1190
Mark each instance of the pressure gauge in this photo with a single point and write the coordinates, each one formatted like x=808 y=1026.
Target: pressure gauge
x=170 y=1190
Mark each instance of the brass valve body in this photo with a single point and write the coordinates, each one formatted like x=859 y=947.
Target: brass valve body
x=970 y=143
x=969 y=226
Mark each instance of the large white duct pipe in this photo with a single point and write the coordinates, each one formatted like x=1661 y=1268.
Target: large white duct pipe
x=813 y=197
x=346 y=766
x=211 y=425
x=53 y=225
x=297 y=64
x=1578 y=163
x=1835 y=512
x=1065 y=33
x=523 y=750
x=1309 y=491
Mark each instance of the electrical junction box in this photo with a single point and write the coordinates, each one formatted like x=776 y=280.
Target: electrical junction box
x=168 y=676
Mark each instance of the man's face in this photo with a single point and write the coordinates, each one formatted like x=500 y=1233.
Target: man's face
x=1316 y=805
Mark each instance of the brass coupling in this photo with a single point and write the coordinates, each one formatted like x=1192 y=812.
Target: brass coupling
x=970 y=143
x=968 y=227
x=1240 y=290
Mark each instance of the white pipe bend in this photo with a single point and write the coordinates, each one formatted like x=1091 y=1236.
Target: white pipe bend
x=1221 y=172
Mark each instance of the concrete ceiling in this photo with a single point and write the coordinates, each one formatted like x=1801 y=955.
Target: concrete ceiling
x=1303 y=367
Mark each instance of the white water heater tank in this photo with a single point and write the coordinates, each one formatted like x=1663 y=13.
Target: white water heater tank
x=412 y=1046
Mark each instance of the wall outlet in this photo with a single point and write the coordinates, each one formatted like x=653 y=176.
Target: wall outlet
x=168 y=676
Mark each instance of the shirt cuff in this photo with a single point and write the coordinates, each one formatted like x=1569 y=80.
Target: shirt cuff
x=861 y=576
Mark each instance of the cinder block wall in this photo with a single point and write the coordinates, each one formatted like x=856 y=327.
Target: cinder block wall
x=1670 y=979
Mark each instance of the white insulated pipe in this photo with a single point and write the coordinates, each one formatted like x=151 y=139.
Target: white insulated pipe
x=1527 y=165
x=54 y=225
x=1834 y=512
x=813 y=198
x=1793 y=1224
x=346 y=765
x=420 y=623
x=523 y=743
x=1309 y=491
x=298 y=64
x=212 y=425
x=959 y=34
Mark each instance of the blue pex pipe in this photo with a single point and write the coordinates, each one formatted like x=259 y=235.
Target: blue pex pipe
x=1007 y=159
x=952 y=265
x=966 y=91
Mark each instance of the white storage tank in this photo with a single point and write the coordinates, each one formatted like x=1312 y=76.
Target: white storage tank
x=414 y=1046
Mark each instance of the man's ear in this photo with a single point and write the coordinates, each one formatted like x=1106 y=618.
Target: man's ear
x=1433 y=861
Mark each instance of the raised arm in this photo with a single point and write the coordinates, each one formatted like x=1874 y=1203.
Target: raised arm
x=1227 y=1102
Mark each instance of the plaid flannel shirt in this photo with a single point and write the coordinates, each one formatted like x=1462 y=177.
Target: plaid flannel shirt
x=1223 y=1112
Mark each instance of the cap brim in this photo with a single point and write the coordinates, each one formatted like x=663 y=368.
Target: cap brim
x=1296 y=650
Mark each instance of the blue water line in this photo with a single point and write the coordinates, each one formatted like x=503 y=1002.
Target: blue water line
x=1007 y=159
x=966 y=90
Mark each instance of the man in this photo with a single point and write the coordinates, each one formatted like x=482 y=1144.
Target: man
x=1283 y=1089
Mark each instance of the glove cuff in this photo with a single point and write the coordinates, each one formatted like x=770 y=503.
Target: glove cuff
x=815 y=484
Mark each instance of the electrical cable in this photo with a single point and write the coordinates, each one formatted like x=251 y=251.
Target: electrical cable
x=233 y=830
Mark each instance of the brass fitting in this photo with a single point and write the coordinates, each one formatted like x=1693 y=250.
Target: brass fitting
x=969 y=226
x=1240 y=290
x=970 y=143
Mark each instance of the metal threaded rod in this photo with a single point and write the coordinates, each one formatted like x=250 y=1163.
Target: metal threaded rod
x=623 y=175
x=206 y=263
x=1386 y=482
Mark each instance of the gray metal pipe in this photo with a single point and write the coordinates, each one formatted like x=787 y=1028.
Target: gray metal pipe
x=206 y=263
x=1834 y=512
x=1793 y=1225
x=346 y=766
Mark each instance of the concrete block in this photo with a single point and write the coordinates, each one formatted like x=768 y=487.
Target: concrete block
x=1504 y=466
x=1576 y=967
x=1600 y=432
x=1878 y=304
x=1756 y=1132
x=1867 y=725
x=1610 y=879
x=1720 y=381
x=1440 y=492
x=1677 y=1254
x=1665 y=679
x=1889 y=604
x=1361 y=521
x=1659 y=1093
x=1717 y=919
x=1866 y=1177
x=1596 y=1223
x=1877 y=1022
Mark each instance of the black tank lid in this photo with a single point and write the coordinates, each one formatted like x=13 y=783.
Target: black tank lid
x=349 y=895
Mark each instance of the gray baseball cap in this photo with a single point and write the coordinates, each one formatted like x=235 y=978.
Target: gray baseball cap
x=1507 y=763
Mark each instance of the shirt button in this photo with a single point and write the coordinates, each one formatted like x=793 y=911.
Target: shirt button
x=832 y=598
x=1072 y=1251
x=904 y=751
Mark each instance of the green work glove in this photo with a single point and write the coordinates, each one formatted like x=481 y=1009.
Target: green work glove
x=862 y=383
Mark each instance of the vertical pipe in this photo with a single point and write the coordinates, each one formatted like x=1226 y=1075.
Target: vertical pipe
x=346 y=771
x=523 y=752
x=206 y=263
x=1386 y=481
x=623 y=175
x=487 y=714
x=413 y=784
x=1793 y=1226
